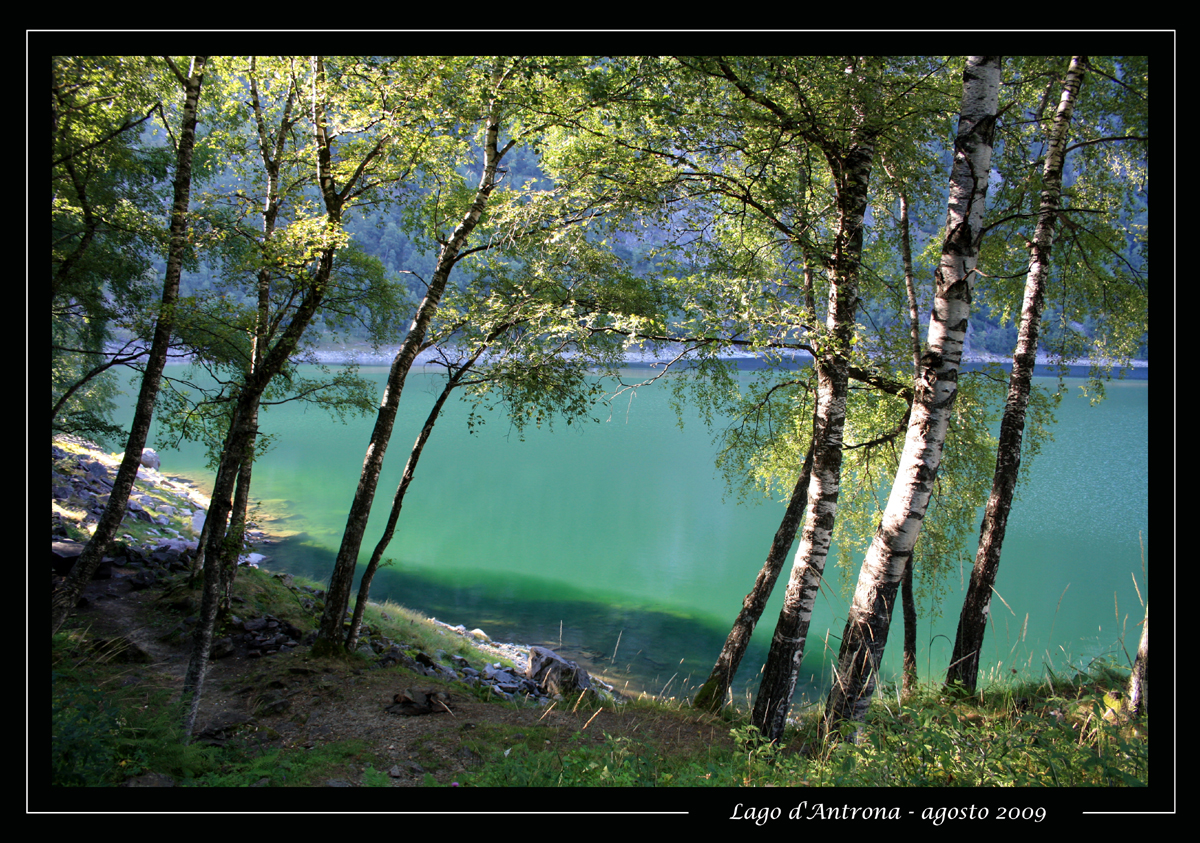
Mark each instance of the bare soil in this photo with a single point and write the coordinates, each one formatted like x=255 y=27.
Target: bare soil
x=292 y=699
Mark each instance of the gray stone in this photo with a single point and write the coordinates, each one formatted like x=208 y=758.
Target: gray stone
x=556 y=675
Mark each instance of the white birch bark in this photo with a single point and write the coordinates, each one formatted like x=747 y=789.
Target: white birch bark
x=1141 y=670
x=786 y=652
x=972 y=622
x=936 y=387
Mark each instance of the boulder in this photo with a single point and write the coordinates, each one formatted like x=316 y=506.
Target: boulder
x=555 y=675
x=150 y=458
x=63 y=555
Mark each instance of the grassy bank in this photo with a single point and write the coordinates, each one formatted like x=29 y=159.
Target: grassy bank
x=113 y=719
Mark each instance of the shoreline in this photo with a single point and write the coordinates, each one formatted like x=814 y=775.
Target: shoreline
x=177 y=533
x=366 y=356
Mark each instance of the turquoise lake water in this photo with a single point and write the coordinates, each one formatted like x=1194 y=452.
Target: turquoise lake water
x=614 y=541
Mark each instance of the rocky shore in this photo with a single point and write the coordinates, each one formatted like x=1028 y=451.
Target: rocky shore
x=159 y=539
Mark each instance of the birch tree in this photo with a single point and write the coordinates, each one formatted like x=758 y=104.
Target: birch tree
x=869 y=618
x=850 y=155
x=972 y=623
x=338 y=593
x=756 y=146
x=67 y=596
x=1136 y=692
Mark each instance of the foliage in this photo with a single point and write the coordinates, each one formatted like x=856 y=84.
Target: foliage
x=85 y=736
x=107 y=195
x=101 y=737
x=1096 y=298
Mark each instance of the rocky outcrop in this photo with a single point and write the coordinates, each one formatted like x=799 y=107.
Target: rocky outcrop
x=171 y=509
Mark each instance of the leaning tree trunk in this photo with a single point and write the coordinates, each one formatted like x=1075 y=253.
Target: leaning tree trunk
x=778 y=684
x=67 y=595
x=220 y=505
x=330 y=637
x=713 y=693
x=235 y=535
x=972 y=622
x=364 y=585
x=238 y=439
x=870 y=612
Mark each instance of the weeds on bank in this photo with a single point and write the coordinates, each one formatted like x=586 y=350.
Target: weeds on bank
x=1050 y=734
x=1053 y=734
x=103 y=732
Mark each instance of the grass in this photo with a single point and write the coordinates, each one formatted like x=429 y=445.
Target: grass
x=1061 y=731
x=1054 y=733
x=104 y=728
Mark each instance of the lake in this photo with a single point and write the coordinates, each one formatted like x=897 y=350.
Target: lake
x=615 y=544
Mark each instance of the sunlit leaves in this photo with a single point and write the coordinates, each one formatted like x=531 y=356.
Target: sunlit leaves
x=1096 y=295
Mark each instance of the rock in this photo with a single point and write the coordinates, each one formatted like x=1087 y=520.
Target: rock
x=555 y=675
x=221 y=648
x=63 y=555
x=150 y=458
x=222 y=727
x=411 y=703
x=95 y=470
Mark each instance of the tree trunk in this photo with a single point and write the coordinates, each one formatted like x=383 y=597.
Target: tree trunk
x=67 y=596
x=220 y=506
x=909 y=683
x=712 y=694
x=235 y=536
x=972 y=622
x=870 y=612
x=1141 y=667
x=242 y=429
x=337 y=598
x=778 y=685
x=364 y=586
